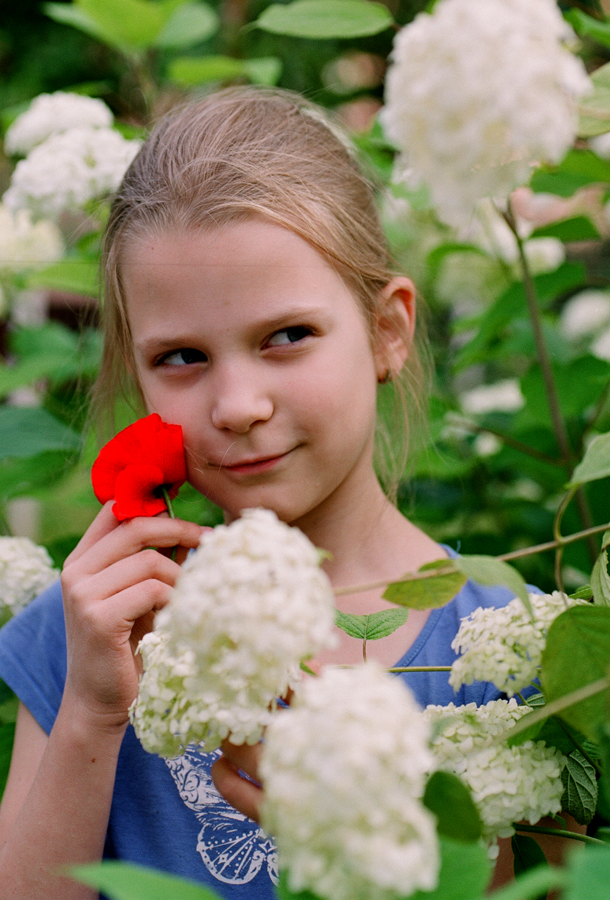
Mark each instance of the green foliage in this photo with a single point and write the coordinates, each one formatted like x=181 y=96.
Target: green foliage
x=125 y=881
x=527 y=853
x=373 y=626
x=427 y=592
x=580 y=788
x=133 y=25
x=456 y=813
x=465 y=872
x=325 y=19
x=490 y=571
x=576 y=654
x=188 y=71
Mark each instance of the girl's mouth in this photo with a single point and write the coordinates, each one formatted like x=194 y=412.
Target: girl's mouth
x=255 y=466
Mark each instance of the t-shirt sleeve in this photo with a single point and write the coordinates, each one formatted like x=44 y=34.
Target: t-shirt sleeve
x=33 y=656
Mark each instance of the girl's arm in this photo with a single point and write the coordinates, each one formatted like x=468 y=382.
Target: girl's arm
x=56 y=807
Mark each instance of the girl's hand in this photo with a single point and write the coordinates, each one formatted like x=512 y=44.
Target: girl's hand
x=113 y=583
x=245 y=795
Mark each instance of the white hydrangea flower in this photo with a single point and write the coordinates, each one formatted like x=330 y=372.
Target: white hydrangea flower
x=250 y=605
x=601 y=145
x=25 y=244
x=26 y=570
x=505 y=645
x=344 y=771
x=69 y=171
x=503 y=396
x=601 y=345
x=585 y=314
x=468 y=121
x=508 y=784
x=51 y=114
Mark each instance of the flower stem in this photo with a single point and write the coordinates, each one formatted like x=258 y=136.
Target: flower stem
x=172 y=515
x=398 y=669
x=560 y=832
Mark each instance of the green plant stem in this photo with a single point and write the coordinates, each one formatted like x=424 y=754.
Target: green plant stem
x=398 y=669
x=561 y=541
x=582 y=750
x=554 y=707
x=533 y=306
x=172 y=515
x=557 y=419
x=560 y=832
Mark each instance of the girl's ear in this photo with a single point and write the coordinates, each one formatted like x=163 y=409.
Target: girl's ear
x=395 y=327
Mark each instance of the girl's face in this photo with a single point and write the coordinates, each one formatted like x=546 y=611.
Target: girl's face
x=247 y=338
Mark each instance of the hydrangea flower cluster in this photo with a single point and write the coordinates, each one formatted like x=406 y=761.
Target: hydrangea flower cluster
x=344 y=771
x=508 y=784
x=26 y=570
x=250 y=605
x=474 y=123
x=50 y=114
x=70 y=170
x=505 y=645
x=25 y=244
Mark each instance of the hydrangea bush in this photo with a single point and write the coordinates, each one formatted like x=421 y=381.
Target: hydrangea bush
x=250 y=606
x=481 y=98
x=26 y=570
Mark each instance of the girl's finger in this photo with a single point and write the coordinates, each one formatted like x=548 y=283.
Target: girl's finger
x=241 y=793
x=103 y=524
x=123 y=574
x=132 y=536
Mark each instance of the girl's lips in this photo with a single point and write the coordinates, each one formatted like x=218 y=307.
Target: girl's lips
x=255 y=466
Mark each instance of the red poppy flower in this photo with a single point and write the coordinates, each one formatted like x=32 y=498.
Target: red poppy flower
x=132 y=468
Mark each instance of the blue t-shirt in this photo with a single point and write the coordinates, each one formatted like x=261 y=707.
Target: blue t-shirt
x=167 y=813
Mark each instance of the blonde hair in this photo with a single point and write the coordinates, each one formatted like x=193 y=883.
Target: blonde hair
x=251 y=151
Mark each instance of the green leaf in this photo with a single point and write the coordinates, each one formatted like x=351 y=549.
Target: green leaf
x=263 y=69
x=580 y=788
x=19 y=477
x=603 y=785
x=465 y=872
x=600 y=579
x=428 y=592
x=578 y=169
x=189 y=71
x=580 y=228
x=373 y=626
x=596 y=462
x=75 y=276
x=595 y=109
x=455 y=810
x=325 y=19
x=588 y=874
x=533 y=884
x=27 y=431
x=7 y=735
x=488 y=570
x=191 y=23
x=126 y=881
x=71 y=14
x=126 y=24
x=284 y=892
x=577 y=653
x=527 y=854
x=587 y=26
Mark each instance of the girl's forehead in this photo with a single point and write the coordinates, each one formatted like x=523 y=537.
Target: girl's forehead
x=255 y=248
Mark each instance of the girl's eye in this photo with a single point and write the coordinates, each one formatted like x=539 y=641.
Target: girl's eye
x=184 y=357
x=289 y=336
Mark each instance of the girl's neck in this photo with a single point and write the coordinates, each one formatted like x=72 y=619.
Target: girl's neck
x=368 y=540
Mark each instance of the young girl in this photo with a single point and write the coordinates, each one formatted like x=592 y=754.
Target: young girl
x=250 y=299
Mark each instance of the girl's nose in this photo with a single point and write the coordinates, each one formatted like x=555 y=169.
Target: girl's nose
x=239 y=403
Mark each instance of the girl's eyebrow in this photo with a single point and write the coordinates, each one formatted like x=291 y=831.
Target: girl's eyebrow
x=282 y=320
